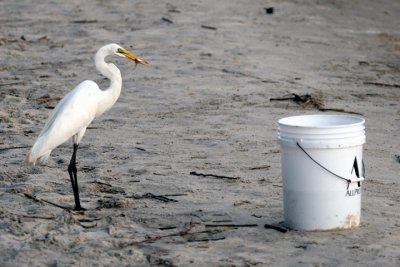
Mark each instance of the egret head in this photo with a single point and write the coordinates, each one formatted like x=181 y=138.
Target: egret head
x=122 y=52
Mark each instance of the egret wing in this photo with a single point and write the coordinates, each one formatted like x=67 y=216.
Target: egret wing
x=71 y=115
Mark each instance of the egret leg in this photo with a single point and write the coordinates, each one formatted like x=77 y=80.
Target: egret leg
x=74 y=178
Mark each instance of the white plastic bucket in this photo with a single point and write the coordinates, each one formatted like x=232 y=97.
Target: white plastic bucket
x=322 y=170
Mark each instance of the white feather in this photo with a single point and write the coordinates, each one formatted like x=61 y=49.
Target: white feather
x=78 y=108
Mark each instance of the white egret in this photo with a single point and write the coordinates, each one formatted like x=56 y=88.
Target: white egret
x=76 y=111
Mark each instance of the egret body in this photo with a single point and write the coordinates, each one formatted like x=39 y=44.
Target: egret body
x=76 y=111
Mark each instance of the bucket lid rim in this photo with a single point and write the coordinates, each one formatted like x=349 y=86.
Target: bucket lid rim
x=357 y=120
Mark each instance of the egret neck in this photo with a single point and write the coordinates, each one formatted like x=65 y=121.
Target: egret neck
x=109 y=96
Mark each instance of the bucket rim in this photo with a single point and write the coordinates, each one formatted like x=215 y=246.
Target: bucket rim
x=347 y=121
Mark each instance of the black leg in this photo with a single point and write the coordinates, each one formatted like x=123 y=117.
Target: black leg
x=74 y=178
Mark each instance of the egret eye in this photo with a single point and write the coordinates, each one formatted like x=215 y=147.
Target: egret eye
x=120 y=50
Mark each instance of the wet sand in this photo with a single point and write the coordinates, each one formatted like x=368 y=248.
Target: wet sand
x=201 y=107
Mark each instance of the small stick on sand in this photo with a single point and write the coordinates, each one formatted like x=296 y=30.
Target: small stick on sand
x=12 y=83
x=85 y=21
x=383 y=84
x=162 y=198
x=38 y=217
x=214 y=175
x=209 y=27
x=231 y=225
x=46 y=201
x=277 y=228
x=207 y=239
x=167 y=20
x=260 y=167
x=13 y=147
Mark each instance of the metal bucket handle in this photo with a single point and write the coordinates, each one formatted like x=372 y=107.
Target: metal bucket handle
x=349 y=181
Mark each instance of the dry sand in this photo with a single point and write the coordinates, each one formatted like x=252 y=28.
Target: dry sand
x=203 y=105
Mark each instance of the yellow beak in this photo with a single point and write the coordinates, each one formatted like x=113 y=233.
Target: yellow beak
x=131 y=56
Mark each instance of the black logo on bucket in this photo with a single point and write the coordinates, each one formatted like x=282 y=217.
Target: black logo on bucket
x=355 y=169
x=355 y=191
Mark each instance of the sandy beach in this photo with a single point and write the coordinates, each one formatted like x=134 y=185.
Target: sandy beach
x=185 y=169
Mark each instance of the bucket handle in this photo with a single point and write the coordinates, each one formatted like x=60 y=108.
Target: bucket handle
x=349 y=181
